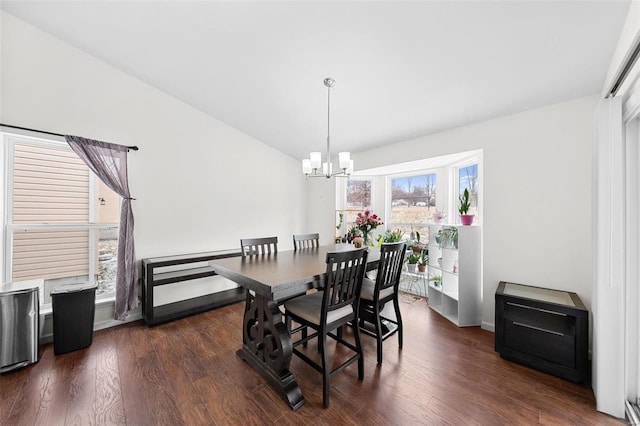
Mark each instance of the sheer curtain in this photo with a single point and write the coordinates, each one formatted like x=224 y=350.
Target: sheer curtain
x=608 y=301
x=616 y=336
x=109 y=162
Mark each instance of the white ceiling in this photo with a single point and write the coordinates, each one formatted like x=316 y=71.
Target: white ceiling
x=402 y=69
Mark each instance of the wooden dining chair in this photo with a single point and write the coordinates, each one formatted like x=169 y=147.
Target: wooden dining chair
x=375 y=294
x=301 y=241
x=255 y=247
x=330 y=309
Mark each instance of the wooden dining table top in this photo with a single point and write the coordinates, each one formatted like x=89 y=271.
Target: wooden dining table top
x=278 y=276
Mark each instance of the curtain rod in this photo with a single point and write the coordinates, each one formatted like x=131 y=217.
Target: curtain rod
x=133 y=148
x=623 y=73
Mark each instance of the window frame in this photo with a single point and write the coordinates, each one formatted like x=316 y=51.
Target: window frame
x=9 y=140
x=455 y=190
x=341 y=196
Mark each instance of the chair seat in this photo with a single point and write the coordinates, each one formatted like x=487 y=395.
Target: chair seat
x=309 y=307
x=368 y=287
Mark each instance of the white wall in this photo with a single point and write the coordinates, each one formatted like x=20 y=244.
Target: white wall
x=200 y=185
x=321 y=206
x=537 y=192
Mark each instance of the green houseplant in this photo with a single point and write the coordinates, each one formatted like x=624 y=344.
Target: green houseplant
x=437 y=280
x=422 y=262
x=390 y=236
x=412 y=261
x=465 y=204
x=417 y=246
x=447 y=237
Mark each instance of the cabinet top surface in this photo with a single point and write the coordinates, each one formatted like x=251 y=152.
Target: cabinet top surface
x=542 y=294
x=452 y=225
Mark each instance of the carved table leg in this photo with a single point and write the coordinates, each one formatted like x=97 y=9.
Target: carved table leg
x=266 y=346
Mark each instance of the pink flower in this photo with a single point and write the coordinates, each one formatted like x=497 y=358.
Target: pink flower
x=367 y=221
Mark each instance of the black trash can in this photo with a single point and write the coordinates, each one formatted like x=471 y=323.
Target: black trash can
x=74 y=308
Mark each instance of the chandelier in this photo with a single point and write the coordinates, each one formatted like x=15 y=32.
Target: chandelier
x=311 y=166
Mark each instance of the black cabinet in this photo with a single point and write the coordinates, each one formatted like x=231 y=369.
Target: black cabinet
x=543 y=329
x=158 y=271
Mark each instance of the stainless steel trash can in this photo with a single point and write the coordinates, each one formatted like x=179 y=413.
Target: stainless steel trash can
x=74 y=308
x=19 y=324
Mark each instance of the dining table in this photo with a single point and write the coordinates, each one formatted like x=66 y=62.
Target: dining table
x=273 y=279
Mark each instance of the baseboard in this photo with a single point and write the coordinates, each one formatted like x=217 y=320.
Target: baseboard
x=135 y=315
x=488 y=326
x=105 y=310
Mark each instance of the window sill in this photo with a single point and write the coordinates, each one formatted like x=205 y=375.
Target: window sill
x=48 y=309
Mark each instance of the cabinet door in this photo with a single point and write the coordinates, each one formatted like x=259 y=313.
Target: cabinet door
x=543 y=334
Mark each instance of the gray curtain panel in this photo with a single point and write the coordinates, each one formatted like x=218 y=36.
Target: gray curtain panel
x=109 y=162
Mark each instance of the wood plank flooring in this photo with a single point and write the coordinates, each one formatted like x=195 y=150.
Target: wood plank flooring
x=186 y=373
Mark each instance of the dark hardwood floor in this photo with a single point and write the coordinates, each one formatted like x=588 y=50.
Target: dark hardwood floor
x=186 y=373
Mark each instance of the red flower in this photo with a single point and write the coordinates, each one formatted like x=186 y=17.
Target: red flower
x=367 y=221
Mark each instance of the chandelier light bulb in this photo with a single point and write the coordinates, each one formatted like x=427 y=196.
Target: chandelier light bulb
x=344 y=158
x=316 y=160
x=306 y=166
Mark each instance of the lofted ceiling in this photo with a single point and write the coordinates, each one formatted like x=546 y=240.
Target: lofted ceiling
x=402 y=69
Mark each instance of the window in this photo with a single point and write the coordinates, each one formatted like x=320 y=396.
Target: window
x=358 y=199
x=62 y=221
x=358 y=194
x=413 y=201
x=468 y=179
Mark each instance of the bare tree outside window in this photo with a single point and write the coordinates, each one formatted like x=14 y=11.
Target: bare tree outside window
x=358 y=200
x=413 y=201
x=359 y=194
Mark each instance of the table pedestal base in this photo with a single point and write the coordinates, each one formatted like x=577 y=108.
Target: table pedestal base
x=267 y=347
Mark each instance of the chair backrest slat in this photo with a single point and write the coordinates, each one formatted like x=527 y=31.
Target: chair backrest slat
x=256 y=246
x=345 y=271
x=301 y=241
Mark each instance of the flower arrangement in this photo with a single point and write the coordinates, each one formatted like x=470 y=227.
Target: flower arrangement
x=367 y=222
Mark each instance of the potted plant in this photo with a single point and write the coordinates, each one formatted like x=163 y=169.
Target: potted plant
x=351 y=233
x=437 y=280
x=422 y=262
x=417 y=246
x=447 y=237
x=338 y=239
x=412 y=261
x=465 y=204
x=390 y=236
